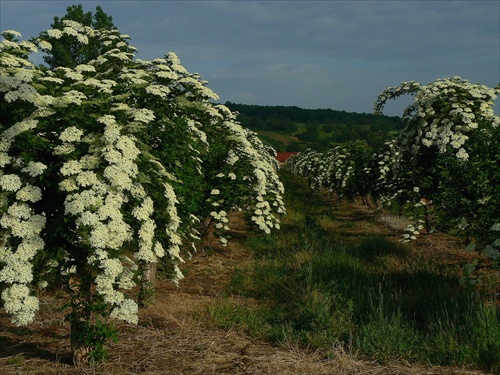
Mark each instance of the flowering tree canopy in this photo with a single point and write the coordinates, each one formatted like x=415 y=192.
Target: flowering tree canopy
x=109 y=166
x=443 y=113
x=445 y=164
x=65 y=50
x=447 y=157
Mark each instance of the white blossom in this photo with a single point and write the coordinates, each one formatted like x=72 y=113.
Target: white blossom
x=29 y=193
x=34 y=169
x=55 y=33
x=14 y=33
x=10 y=182
x=20 y=304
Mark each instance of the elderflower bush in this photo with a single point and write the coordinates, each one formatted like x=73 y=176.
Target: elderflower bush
x=390 y=181
x=443 y=113
x=221 y=167
x=110 y=166
x=349 y=171
x=243 y=175
x=447 y=156
x=442 y=170
x=345 y=170
x=310 y=164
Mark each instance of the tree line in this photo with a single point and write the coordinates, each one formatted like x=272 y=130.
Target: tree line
x=319 y=129
x=282 y=118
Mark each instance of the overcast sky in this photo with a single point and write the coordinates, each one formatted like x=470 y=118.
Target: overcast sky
x=311 y=54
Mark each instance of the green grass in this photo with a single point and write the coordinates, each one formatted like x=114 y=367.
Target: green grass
x=18 y=360
x=368 y=297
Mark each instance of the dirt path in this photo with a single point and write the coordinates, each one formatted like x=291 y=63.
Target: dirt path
x=173 y=338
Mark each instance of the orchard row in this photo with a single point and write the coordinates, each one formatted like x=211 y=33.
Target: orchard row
x=107 y=168
x=443 y=170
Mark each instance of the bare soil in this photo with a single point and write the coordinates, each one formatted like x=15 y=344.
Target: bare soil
x=172 y=336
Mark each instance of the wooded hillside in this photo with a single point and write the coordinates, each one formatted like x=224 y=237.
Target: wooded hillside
x=290 y=128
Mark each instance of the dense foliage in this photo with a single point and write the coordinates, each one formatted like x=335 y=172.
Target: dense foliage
x=68 y=52
x=316 y=128
x=277 y=117
x=443 y=168
x=108 y=167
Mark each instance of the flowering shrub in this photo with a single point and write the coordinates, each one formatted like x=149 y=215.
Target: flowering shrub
x=246 y=178
x=108 y=167
x=349 y=170
x=443 y=169
x=311 y=164
x=345 y=170
x=445 y=161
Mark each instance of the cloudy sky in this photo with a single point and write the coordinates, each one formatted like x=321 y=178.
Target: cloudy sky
x=311 y=54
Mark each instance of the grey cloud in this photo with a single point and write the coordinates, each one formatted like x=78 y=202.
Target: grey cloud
x=337 y=54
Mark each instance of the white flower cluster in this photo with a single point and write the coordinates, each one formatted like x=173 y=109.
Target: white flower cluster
x=197 y=132
x=443 y=113
x=221 y=218
x=34 y=169
x=146 y=232
x=441 y=122
x=172 y=230
x=20 y=304
x=103 y=123
x=17 y=72
x=115 y=273
x=411 y=231
x=21 y=225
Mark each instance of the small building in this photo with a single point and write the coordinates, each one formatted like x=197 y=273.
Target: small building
x=284 y=156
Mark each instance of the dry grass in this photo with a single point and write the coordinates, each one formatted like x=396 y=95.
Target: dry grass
x=171 y=337
x=398 y=223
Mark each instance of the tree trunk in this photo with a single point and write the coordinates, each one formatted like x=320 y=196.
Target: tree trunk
x=427 y=219
x=79 y=350
x=79 y=318
x=147 y=284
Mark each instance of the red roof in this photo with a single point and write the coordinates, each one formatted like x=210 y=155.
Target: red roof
x=283 y=156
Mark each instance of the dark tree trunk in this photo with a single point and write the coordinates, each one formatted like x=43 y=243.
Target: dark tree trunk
x=79 y=350
x=147 y=284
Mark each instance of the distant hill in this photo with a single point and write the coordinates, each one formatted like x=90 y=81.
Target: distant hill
x=290 y=128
